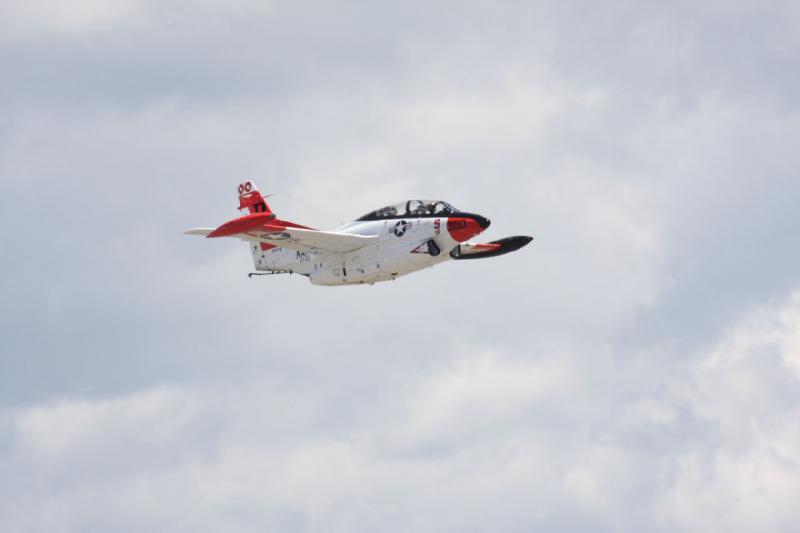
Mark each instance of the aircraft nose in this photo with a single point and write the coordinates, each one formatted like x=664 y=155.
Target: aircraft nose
x=464 y=226
x=483 y=222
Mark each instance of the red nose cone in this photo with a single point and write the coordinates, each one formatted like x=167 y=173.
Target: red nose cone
x=463 y=229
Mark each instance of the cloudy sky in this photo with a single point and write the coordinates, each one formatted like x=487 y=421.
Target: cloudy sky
x=637 y=368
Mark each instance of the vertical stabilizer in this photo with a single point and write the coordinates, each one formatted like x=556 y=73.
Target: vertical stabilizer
x=251 y=199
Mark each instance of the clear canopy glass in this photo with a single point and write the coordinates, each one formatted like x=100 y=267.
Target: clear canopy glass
x=412 y=208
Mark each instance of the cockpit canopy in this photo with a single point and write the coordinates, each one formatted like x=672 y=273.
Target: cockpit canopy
x=412 y=208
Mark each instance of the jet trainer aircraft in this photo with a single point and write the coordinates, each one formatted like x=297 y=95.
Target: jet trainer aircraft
x=380 y=246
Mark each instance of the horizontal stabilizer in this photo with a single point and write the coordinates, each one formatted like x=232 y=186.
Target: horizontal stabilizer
x=253 y=222
x=199 y=231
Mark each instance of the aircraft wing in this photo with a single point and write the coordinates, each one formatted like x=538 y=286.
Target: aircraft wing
x=260 y=228
x=304 y=239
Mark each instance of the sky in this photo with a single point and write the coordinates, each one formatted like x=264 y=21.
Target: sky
x=636 y=368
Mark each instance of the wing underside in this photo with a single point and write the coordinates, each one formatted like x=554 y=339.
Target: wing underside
x=310 y=240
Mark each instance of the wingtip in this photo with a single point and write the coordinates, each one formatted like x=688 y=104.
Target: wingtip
x=203 y=232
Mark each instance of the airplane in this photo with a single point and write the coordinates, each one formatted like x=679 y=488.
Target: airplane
x=380 y=246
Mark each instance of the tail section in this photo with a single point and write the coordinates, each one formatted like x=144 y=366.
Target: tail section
x=251 y=199
x=259 y=217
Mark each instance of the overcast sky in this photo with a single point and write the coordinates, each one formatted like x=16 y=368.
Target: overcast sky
x=636 y=368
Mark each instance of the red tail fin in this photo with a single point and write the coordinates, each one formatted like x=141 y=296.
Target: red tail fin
x=250 y=198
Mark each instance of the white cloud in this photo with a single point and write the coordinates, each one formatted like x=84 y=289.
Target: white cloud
x=485 y=438
x=633 y=141
x=55 y=434
x=37 y=18
x=745 y=476
x=788 y=334
x=651 y=411
x=484 y=392
x=598 y=476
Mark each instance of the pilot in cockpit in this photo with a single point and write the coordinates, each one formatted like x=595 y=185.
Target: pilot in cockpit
x=387 y=212
x=420 y=209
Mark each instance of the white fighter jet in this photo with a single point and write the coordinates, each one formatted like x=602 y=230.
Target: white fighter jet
x=380 y=246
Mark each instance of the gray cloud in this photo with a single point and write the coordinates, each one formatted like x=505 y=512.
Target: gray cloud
x=633 y=369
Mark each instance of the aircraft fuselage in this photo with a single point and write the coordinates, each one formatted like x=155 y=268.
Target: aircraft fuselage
x=404 y=245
